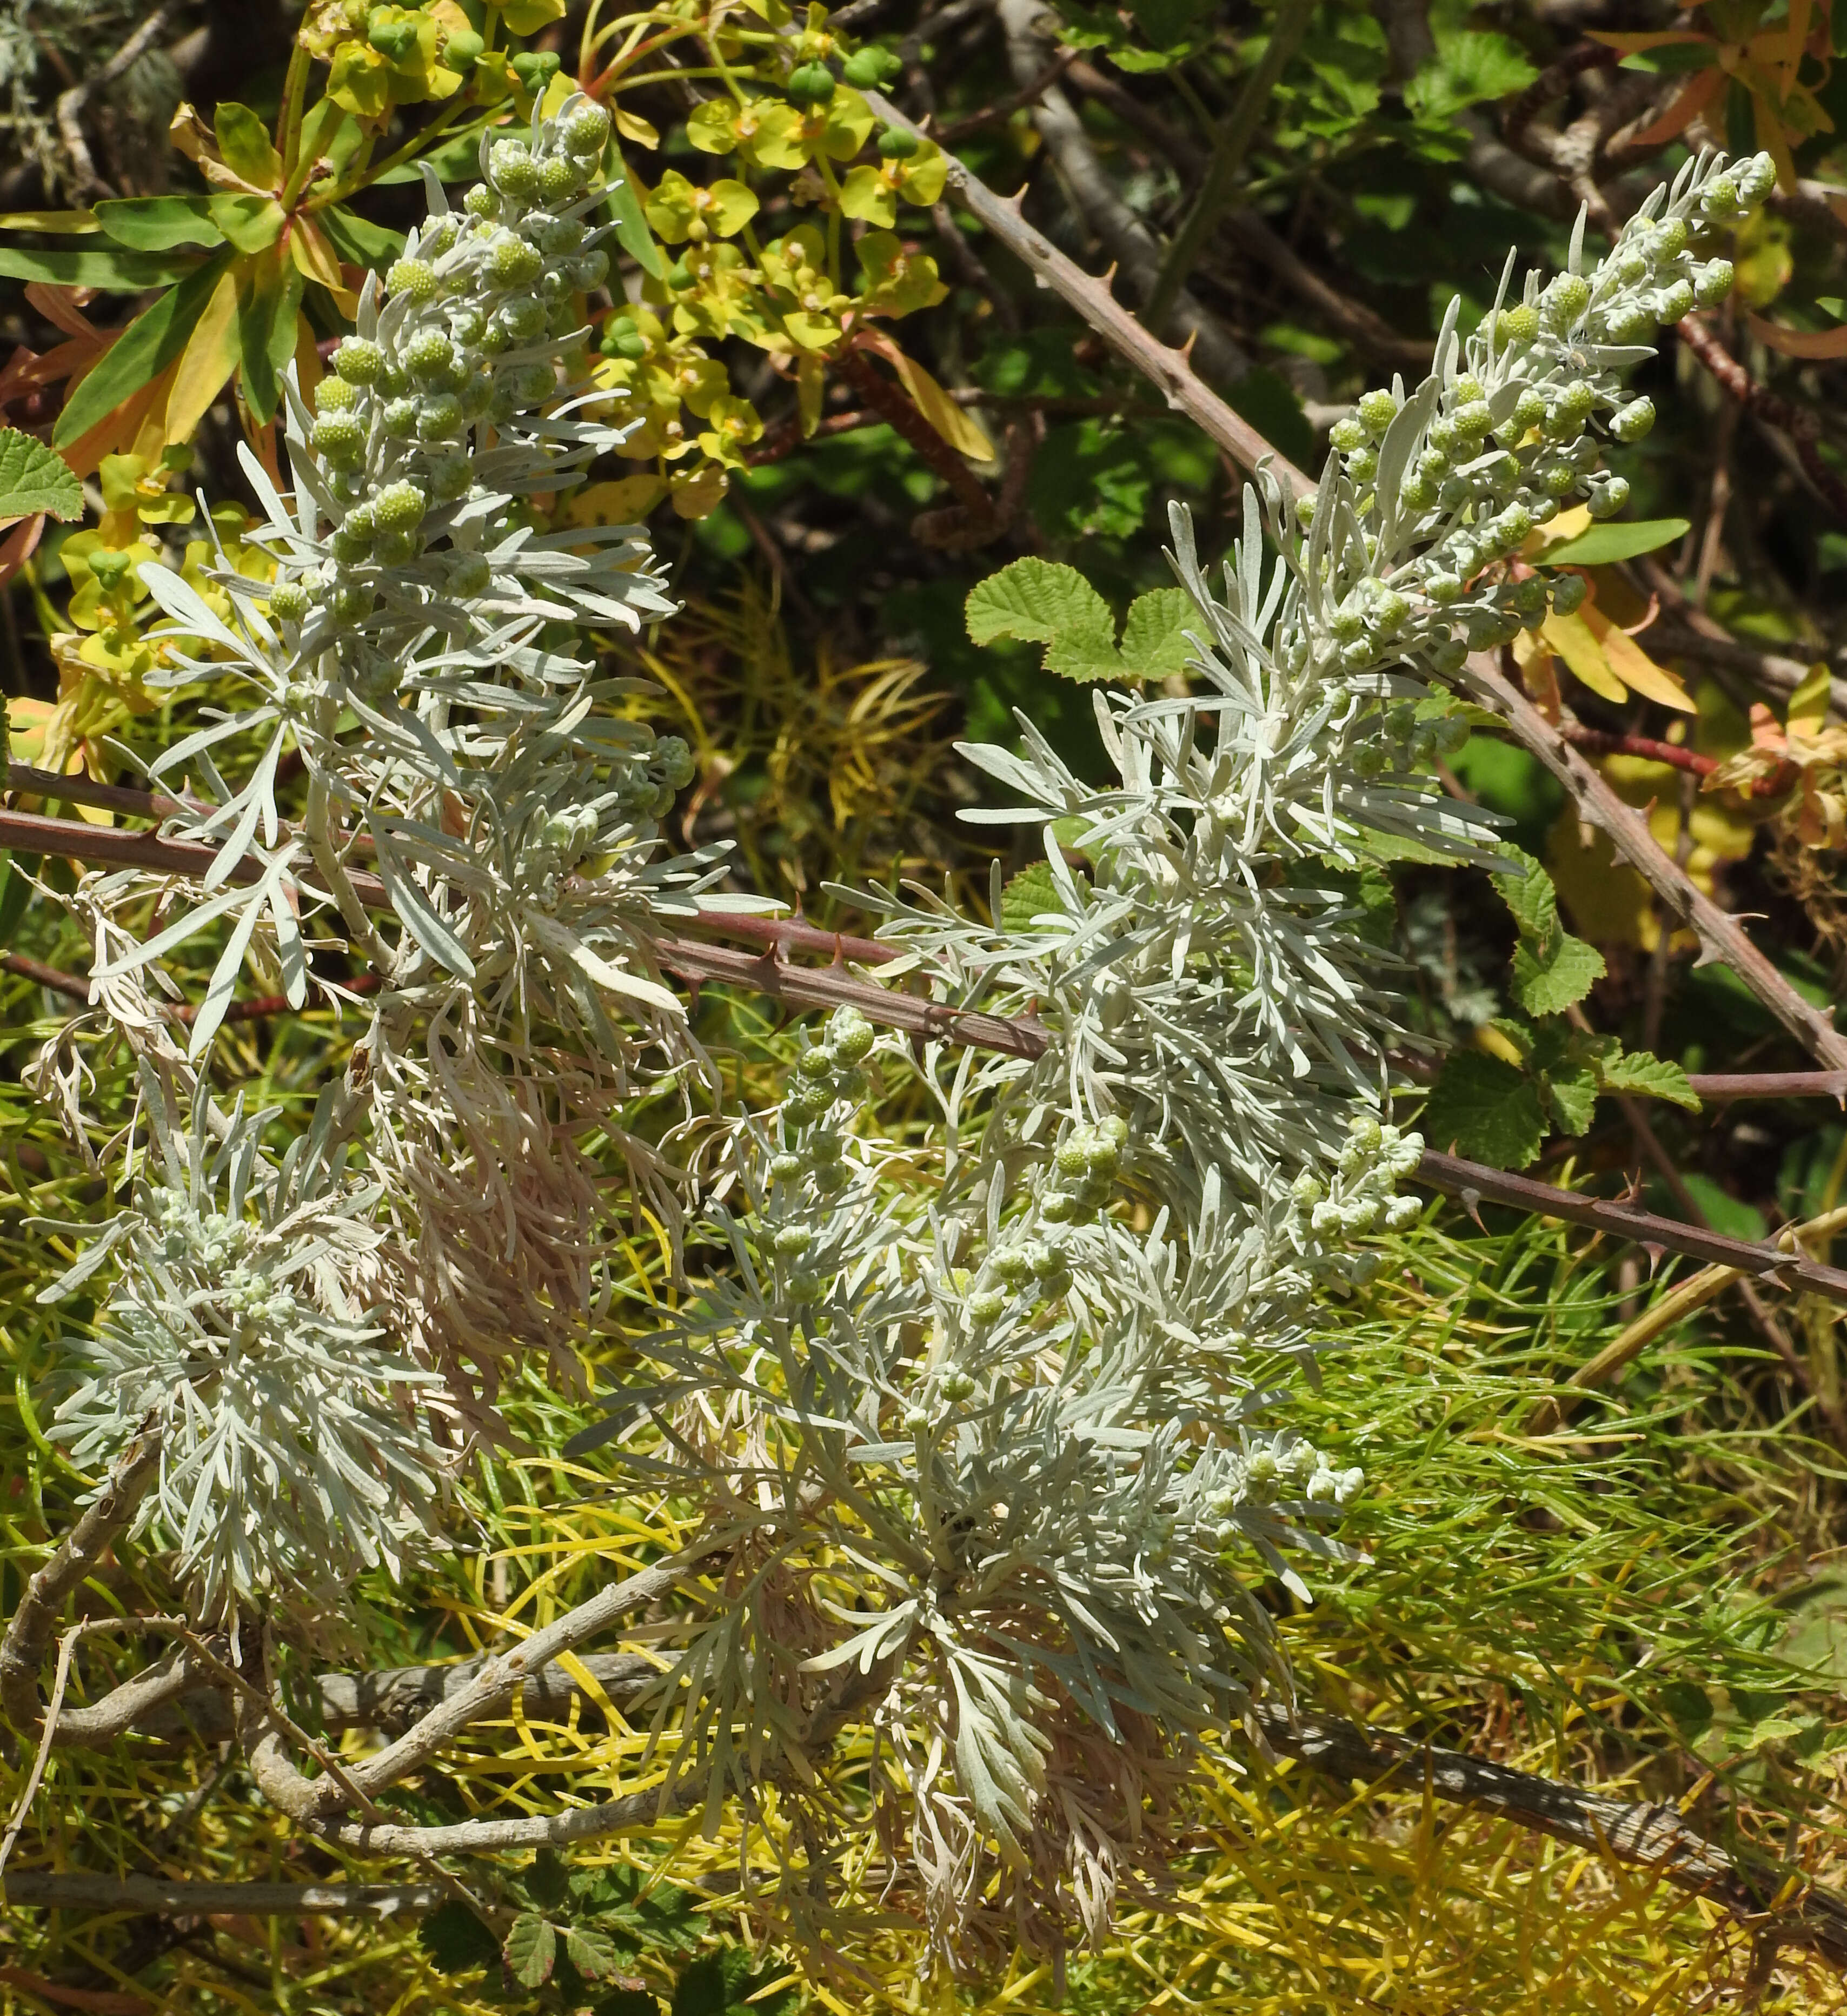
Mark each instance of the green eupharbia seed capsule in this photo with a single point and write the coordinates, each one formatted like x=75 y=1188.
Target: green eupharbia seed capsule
x=393 y=40
x=680 y=276
x=288 y=600
x=1634 y=420
x=894 y=143
x=1568 y=592
x=414 y=277
x=810 y=83
x=462 y=50
x=621 y=338
x=867 y=69
x=1376 y=411
x=535 y=68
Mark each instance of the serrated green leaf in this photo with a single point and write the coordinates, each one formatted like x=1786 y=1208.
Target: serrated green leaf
x=1038 y=601
x=1031 y=893
x=1081 y=656
x=158 y=223
x=1599 y=545
x=1571 y=1096
x=1154 y=644
x=1653 y=1077
x=35 y=478
x=531 y=1950
x=1548 y=982
x=1482 y=1108
x=593 y=1953
x=1530 y=896
x=547 y=1881
x=455 y=1940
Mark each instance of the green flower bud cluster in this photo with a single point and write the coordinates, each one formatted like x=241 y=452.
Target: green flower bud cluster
x=1361 y=1194
x=828 y=1071
x=1086 y=1161
x=479 y=316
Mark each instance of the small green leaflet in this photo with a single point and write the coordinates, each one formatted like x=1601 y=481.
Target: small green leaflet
x=531 y=1950
x=1550 y=982
x=35 y=478
x=1659 y=1078
x=1601 y=543
x=1044 y=602
x=1486 y=1110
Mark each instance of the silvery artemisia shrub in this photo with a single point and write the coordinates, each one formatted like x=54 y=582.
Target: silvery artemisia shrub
x=1000 y=1467
x=1045 y=1434
x=295 y=1449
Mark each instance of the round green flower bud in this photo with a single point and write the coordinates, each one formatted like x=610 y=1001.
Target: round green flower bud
x=481 y=201
x=524 y=320
x=1558 y=479
x=1304 y=511
x=590 y=271
x=1756 y=178
x=791 y=1241
x=1567 y=591
x=810 y=83
x=786 y=1167
x=804 y=1287
x=583 y=130
x=513 y=263
x=1517 y=326
x=1390 y=613
x=560 y=179
x=399 y=507
x=335 y=395
x=673 y=758
x=1363 y=466
x=1058 y=1207
x=1419 y=493
x=1376 y=411
x=986 y=1306
x=1512 y=526
x=1712 y=282
x=1447 y=654
x=1473 y=420
x=1674 y=303
x=894 y=143
x=1348 y=435
x=820 y=1063
x=1669 y=238
x=288 y=601
x=439 y=419
x=359 y=362
x=338 y=438
x=1071 y=1158
x=477 y=395
x=824 y=1148
x=1564 y=419
x=1347 y=625
x=350 y=601
x=1609 y=497
x=1634 y=420
x=350 y=544
x=1719 y=198
x=430 y=356
x=1528 y=596
x=394 y=549
x=414 y=277
x=1566 y=295
x=803 y=1102
x=557 y=235
x=469 y=573
x=512 y=171
x=849 y=1033
x=534 y=383
x=850 y=1085
x=1443 y=588
x=1012 y=1265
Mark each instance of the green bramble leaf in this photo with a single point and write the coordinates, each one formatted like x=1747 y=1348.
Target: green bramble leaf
x=1044 y=602
x=1571 y=1096
x=1655 y=1078
x=547 y=1881
x=1154 y=632
x=456 y=1941
x=1467 y=67
x=1531 y=897
x=35 y=478
x=594 y=1954
x=1601 y=544
x=1485 y=1108
x=1031 y=893
x=1547 y=982
x=531 y=1950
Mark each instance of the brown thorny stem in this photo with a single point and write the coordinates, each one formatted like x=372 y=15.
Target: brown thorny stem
x=1653 y=1837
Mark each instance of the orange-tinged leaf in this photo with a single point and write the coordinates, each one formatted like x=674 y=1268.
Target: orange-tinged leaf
x=1810 y=342
x=1574 y=641
x=1808 y=704
x=955 y=426
x=1685 y=106
x=118 y=430
x=1627 y=661
x=208 y=360
x=1635 y=45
